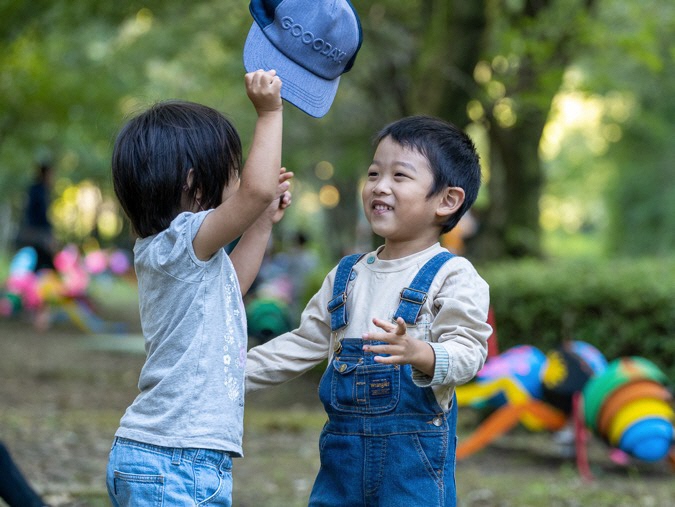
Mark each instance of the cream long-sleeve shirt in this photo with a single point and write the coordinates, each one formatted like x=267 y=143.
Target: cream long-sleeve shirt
x=453 y=320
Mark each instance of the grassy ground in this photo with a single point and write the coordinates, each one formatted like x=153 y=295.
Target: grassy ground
x=62 y=394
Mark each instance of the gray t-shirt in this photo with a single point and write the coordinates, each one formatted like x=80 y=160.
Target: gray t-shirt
x=194 y=323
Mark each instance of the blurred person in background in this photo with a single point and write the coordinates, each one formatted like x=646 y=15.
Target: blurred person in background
x=36 y=229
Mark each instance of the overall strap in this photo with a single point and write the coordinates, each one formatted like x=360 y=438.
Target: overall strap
x=413 y=297
x=337 y=306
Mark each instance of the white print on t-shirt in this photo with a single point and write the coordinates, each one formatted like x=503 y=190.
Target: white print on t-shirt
x=232 y=355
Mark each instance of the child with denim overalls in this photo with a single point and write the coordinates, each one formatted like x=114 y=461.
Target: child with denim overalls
x=400 y=326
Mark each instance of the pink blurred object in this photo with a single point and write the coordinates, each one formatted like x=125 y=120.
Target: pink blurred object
x=6 y=307
x=119 y=262
x=96 y=262
x=66 y=259
x=74 y=277
x=25 y=285
x=619 y=457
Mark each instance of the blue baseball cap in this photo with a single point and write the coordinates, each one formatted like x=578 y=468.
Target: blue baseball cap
x=310 y=43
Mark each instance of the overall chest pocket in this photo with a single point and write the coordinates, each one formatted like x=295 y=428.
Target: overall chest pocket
x=361 y=388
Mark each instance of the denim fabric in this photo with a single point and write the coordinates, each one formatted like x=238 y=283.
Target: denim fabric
x=387 y=441
x=414 y=296
x=148 y=475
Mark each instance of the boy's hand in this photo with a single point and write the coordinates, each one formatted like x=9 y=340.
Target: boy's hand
x=279 y=207
x=400 y=347
x=275 y=211
x=264 y=90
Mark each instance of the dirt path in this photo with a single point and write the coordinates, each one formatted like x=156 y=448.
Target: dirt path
x=62 y=394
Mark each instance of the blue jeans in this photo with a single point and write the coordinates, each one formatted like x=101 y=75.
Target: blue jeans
x=149 y=475
x=387 y=442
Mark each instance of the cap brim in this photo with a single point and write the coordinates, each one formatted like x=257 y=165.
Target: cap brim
x=300 y=87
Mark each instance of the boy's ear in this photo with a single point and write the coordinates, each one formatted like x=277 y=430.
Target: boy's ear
x=451 y=200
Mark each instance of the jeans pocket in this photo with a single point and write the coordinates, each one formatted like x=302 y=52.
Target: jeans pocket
x=364 y=389
x=138 y=489
x=208 y=482
x=432 y=450
x=213 y=485
x=323 y=440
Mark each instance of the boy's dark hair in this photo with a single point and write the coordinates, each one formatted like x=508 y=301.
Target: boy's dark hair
x=154 y=153
x=451 y=154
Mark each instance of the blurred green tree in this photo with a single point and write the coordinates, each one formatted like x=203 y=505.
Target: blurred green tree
x=639 y=62
x=71 y=72
x=496 y=64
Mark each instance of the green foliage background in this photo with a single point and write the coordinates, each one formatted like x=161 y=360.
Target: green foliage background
x=71 y=72
x=623 y=307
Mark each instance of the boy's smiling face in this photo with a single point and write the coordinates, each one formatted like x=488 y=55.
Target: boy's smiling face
x=395 y=200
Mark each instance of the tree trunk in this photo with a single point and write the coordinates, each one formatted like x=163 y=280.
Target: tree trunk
x=449 y=50
x=510 y=225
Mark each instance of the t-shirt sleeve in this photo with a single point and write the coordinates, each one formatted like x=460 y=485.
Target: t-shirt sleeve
x=176 y=254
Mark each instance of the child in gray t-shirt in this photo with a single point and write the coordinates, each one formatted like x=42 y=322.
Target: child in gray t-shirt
x=177 y=173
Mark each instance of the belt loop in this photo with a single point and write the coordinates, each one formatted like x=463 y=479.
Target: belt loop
x=177 y=454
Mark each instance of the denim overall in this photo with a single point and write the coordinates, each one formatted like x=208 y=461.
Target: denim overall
x=387 y=442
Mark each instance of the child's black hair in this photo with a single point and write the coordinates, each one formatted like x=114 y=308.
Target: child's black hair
x=154 y=153
x=451 y=154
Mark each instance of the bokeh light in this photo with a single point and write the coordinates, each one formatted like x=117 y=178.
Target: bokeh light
x=329 y=196
x=324 y=170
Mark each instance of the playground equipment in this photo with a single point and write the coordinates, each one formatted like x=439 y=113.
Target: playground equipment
x=267 y=318
x=629 y=407
x=49 y=295
x=625 y=402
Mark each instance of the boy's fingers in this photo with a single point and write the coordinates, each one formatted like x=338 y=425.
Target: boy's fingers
x=398 y=329
x=384 y=325
x=401 y=327
x=285 y=200
x=378 y=337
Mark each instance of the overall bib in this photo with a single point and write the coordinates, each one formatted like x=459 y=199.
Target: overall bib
x=387 y=441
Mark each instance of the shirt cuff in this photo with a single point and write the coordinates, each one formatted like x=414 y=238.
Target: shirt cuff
x=441 y=368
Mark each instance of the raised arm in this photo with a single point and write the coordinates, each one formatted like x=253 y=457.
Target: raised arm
x=248 y=255
x=259 y=182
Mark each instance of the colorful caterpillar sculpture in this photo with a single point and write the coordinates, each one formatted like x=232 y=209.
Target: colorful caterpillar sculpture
x=629 y=406
x=625 y=402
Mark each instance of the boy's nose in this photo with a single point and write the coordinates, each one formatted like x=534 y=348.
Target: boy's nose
x=381 y=187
